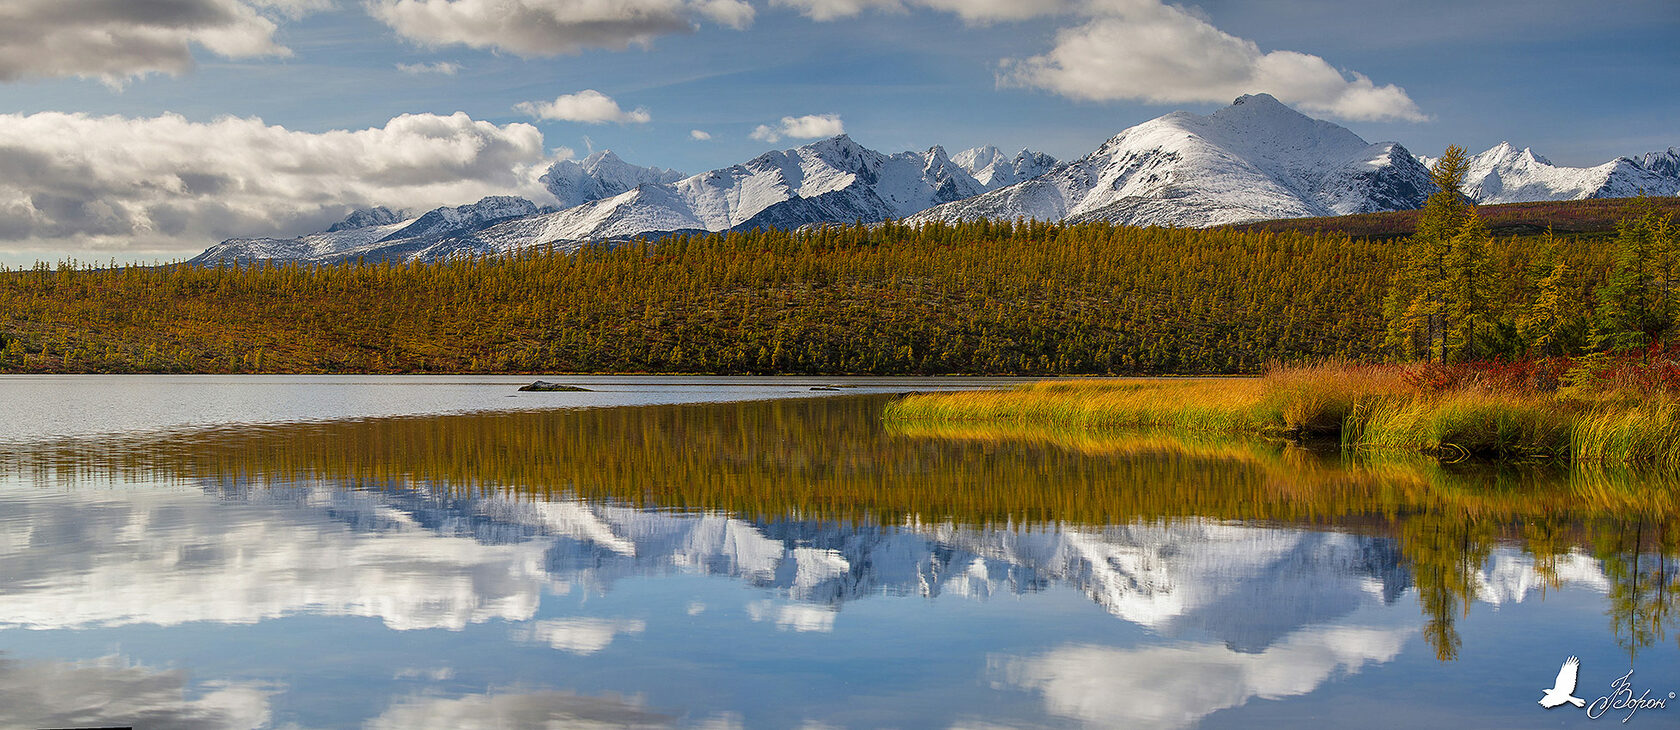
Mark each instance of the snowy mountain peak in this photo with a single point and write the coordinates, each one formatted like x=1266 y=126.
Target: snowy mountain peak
x=839 y=151
x=593 y=161
x=378 y=216
x=1254 y=160
x=1504 y=174
x=1666 y=163
x=600 y=175
x=990 y=167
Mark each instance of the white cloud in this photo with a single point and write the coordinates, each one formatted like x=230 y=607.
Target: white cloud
x=546 y=709
x=1145 y=51
x=588 y=106
x=800 y=617
x=578 y=635
x=295 y=8
x=810 y=126
x=166 y=184
x=117 y=41
x=1176 y=686
x=973 y=11
x=441 y=67
x=112 y=690
x=553 y=27
x=700 y=135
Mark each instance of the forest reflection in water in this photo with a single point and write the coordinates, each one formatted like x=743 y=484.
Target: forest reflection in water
x=834 y=460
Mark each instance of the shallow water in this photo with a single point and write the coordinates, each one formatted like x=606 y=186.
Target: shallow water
x=440 y=558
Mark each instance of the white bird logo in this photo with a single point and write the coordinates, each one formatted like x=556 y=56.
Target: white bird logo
x=1563 y=690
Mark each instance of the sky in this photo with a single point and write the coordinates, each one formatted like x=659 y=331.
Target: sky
x=140 y=130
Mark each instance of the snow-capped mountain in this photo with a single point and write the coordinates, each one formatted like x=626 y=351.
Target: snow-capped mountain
x=1254 y=160
x=600 y=175
x=991 y=167
x=1505 y=174
x=830 y=181
x=372 y=234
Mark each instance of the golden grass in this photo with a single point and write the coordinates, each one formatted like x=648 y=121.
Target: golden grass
x=1365 y=407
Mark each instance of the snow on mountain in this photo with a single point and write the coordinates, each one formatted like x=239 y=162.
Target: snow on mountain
x=1665 y=163
x=600 y=175
x=992 y=168
x=1505 y=174
x=829 y=181
x=1254 y=160
x=394 y=240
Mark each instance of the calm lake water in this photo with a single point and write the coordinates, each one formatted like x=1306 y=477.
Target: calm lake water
x=354 y=552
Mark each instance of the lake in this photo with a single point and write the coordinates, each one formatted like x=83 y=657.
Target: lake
x=397 y=552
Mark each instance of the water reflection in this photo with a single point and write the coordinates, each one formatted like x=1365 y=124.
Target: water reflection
x=1230 y=572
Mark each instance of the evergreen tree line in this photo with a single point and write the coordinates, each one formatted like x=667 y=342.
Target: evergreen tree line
x=979 y=297
x=1454 y=299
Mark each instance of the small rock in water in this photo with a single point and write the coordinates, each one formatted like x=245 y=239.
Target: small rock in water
x=546 y=387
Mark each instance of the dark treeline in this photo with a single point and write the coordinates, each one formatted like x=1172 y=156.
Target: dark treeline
x=980 y=297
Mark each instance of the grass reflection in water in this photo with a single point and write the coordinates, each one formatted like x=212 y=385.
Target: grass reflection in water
x=835 y=459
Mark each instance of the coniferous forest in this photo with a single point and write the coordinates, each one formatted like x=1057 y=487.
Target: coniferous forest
x=995 y=298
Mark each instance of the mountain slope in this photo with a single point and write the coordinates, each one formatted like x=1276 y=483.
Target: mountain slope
x=1505 y=174
x=394 y=240
x=1254 y=160
x=600 y=175
x=829 y=181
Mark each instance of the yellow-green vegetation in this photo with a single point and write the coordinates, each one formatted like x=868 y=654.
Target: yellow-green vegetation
x=890 y=299
x=1453 y=412
x=836 y=458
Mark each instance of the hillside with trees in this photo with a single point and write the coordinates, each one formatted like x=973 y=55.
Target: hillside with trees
x=982 y=297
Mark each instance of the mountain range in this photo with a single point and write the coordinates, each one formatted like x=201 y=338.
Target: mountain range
x=1255 y=160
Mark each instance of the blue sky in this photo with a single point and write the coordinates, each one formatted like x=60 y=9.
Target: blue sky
x=115 y=179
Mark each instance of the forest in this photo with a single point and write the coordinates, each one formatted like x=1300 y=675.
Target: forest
x=972 y=298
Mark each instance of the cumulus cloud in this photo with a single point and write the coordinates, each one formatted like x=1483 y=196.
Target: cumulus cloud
x=167 y=184
x=553 y=27
x=1143 y=50
x=1176 y=686
x=588 y=106
x=1147 y=50
x=973 y=11
x=113 y=690
x=116 y=40
x=699 y=134
x=810 y=126
x=444 y=68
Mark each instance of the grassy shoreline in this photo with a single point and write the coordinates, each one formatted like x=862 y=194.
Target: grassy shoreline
x=1495 y=411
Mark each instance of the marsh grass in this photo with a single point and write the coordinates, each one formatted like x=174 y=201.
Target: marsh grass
x=1503 y=411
